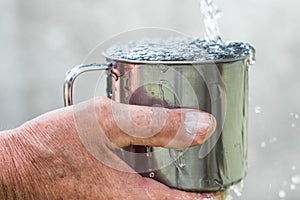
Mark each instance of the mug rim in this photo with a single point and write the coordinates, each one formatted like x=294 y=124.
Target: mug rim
x=226 y=60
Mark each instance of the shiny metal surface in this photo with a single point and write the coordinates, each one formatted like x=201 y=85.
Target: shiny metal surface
x=219 y=88
x=74 y=73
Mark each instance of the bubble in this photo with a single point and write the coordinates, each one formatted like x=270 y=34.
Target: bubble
x=281 y=194
x=257 y=109
x=263 y=144
x=295 y=179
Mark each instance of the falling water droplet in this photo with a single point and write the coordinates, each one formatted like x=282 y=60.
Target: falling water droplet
x=293 y=125
x=257 y=109
x=296 y=116
x=295 y=179
x=263 y=145
x=292 y=187
x=273 y=140
x=148 y=151
x=281 y=194
x=294 y=167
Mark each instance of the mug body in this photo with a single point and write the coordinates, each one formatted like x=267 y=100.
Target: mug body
x=220 y=88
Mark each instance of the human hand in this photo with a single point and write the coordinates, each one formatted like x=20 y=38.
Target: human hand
x=69 y=153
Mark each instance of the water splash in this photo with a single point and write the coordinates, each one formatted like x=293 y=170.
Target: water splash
x=295 y=179
x=295 y=115
x=292 y=187
x=238 y=189
x=282 y=194
x=210 y=15
x=235 y=191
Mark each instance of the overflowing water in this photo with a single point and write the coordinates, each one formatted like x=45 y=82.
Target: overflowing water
x=179 y=49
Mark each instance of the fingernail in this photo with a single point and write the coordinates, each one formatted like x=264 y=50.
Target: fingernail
x=198 y=123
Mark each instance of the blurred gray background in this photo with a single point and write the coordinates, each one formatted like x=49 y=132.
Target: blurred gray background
x=41 y=40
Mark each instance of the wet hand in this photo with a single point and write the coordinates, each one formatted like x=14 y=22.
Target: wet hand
x=69 y=153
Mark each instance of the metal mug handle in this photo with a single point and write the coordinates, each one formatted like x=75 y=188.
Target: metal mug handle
x=74 y=73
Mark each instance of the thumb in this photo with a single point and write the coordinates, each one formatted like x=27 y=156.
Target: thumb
x=104 y=126
x=154 y=126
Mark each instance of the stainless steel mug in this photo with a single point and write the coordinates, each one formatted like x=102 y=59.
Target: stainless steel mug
x=219 y=87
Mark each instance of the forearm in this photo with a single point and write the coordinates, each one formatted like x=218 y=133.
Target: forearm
x=20 y=176
x=11 y=181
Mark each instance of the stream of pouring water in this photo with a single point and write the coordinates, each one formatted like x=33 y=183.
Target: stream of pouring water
x=210 y=14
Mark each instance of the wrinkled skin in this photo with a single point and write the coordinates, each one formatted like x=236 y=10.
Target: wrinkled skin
x=50 y=158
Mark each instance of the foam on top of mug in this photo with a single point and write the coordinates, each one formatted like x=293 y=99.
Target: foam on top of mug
x=178 y=49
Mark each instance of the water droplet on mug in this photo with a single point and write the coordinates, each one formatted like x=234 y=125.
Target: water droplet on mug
x=151 y=174
x=281 y=194
x=148 y=151
x=296 y=116
x=294 y=167
x=257 y=109
x=293 y=125
x=163 y=68
x=263 y=145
